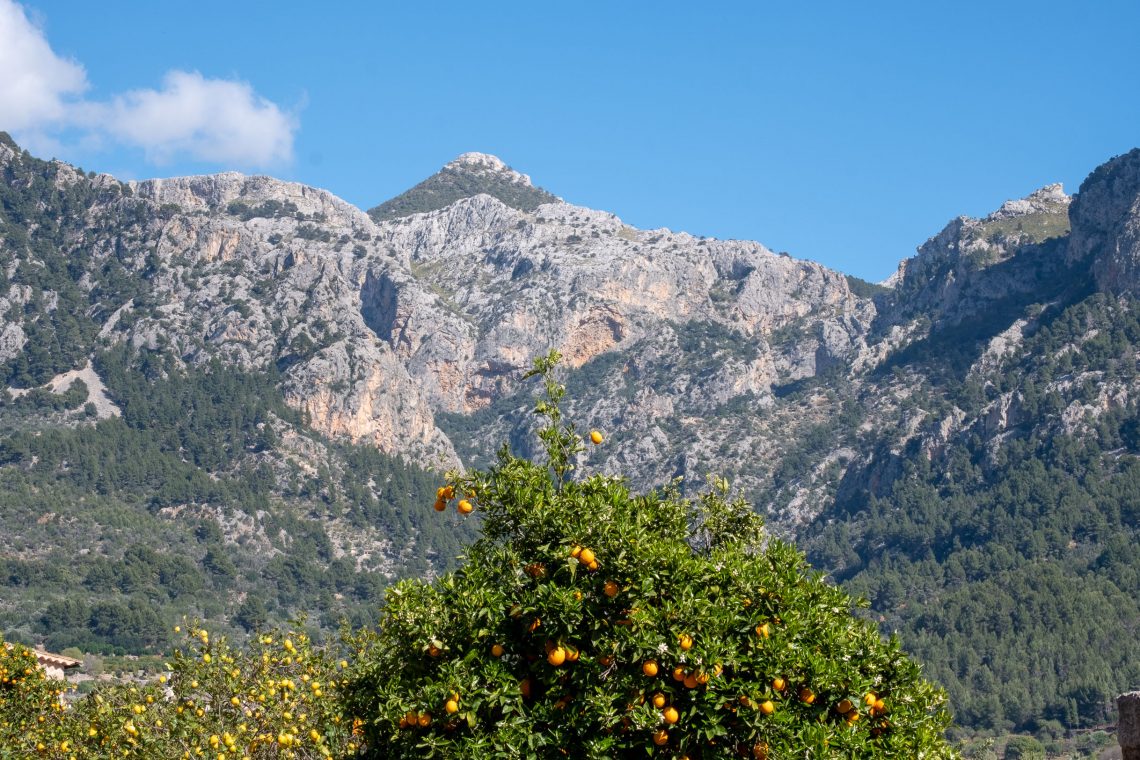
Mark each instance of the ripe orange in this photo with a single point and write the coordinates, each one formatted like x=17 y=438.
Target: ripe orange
x=807 y=696
x=593 y=565
x=869 y=699
x=586 y=556
x=778 y=683
x=425 y=720
x=451 y=706
x=649 y=668
x=763 y=630
x=690 y=681
x=658 y=700
x=686 y=641
x=767 y=707
x=440 y=505
x=571 y=654
x=678 y=673
x=670 y=715
x=844 y=706
x=610 y=589
x=575 y=551
x=605 y=661
x=497 y=650
x=433 y=650
x=556 y=657
x=660 y=737
x=880 y=705
x=465 y=507
x=525 y=688
x=596 y=437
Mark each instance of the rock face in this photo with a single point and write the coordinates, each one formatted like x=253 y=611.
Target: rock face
x=410 y=327
x=975 y=261
x=1106 y=224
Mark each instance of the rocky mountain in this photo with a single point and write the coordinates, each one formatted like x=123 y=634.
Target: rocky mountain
x=380 y=343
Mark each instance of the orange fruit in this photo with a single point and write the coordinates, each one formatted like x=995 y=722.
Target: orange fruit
x=658 y=700
x=571 y=654
x=425 y=720
x=535 y=624
x=670 y=715
x=649 y=668
x=525 y=688
x=767 y=707
x=610 y=589
x=593 y=565
x=807 y=696
x=852 y=716
x=690 y=681
x=451 y=706
x=762 y=630
x=586 y=556
x=497 y=650
x=760 y=751
x=744 y=700
x=880 y=705
x=844 y=706
x=686 y=641
x=660 y=737
x=575 y=551
x=778 y=683
x=557 y=656
x=678 y=673
x=869 y=699
x=433 y=650
x=440 y=505
x=465 y=507
x=596 y=437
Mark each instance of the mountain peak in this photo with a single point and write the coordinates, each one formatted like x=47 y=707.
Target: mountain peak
x=1046 y=200
x=468 y=175
x=485 y=162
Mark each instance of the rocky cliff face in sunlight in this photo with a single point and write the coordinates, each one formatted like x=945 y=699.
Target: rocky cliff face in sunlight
x=410 y=328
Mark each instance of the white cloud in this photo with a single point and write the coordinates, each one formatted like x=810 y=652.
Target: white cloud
x=35 y=82
x=190 y=116
x=214 y=120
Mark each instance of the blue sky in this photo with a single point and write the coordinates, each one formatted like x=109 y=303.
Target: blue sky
x=846 y=133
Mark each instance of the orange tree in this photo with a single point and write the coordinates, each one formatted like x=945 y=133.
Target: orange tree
x=592 y=622
x=275 y=698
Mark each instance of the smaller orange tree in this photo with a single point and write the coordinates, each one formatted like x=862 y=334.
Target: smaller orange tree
x=275 y=698
x=591 y=622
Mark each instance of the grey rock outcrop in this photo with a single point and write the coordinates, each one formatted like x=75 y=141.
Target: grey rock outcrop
x=1106 y=224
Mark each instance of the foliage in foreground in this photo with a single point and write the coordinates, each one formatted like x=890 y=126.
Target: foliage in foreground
x=276 y=698
x=591 y=622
